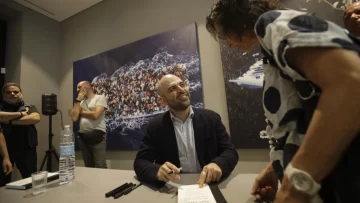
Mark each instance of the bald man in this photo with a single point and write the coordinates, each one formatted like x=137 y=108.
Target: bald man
x=352 y=19
x=184 y=139
x=89 y=108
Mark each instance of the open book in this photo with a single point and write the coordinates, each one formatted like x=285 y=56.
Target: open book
x=26 y=183
x=195 y=194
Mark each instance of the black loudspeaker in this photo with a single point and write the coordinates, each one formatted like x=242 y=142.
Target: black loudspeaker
x=49 y=104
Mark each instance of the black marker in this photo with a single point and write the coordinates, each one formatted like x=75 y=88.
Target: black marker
x=129 y=189
x=133 y=188
x=120 y=193
x=116 y=190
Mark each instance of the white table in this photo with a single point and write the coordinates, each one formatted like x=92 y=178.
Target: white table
x=91 y=184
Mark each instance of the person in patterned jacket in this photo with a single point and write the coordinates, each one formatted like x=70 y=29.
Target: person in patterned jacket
x=311 y=98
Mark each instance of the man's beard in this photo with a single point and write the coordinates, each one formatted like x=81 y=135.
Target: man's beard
x=17 y=101
x=179 y=106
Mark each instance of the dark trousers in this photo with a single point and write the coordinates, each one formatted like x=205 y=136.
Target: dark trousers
x=25 y=161
x=343 y=184
x=93 y=148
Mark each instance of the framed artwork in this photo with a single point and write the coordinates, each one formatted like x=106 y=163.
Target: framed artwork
x=127 y=76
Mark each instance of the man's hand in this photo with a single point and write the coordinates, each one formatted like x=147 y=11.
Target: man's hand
x=81 y=94
x=7 y=166
x=165 y=169
x=288 y=194
x=25 y=113
x=5 y=116
x=210 y=173
x=266 y=184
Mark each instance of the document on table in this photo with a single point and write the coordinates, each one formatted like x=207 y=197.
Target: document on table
x=194 y=194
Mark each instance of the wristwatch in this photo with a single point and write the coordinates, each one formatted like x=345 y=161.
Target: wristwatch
x=76 y=100
x=302 y=181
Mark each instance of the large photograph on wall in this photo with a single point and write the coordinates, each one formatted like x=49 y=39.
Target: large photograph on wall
x=127 y=77
x=244 y=75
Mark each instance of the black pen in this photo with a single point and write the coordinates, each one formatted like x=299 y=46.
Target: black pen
x=119 y=194
x=172 y=171
x=116 y=190
x=132 y=188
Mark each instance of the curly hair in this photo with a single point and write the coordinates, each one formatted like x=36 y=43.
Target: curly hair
x=234 y=17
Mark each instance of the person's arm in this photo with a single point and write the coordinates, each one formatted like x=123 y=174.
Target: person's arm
x=93 y=115
x=228 y=158
x=7 y=116
x=3 y=147
x=144 y=165
x=323 y=53
x=6 y=164
x=336 y=119
x=75 y=111
x=32 y=117
x=101 y=105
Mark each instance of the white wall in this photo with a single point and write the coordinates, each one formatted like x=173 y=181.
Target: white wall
x=113 y=23
x=13 y=50
x=40 y=69
x=33 y=61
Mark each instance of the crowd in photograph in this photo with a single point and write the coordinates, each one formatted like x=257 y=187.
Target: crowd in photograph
x=132 y=93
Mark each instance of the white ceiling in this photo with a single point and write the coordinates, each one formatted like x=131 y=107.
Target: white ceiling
x=58 y=10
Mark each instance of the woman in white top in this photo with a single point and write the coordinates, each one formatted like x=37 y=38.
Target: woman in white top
x=311 y=98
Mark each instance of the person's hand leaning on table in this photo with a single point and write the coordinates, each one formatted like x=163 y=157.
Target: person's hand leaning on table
x=210 y=173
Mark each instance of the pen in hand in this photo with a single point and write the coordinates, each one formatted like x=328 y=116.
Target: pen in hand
x=172 y=171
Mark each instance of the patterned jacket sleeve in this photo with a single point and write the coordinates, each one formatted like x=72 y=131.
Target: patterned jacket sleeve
x=280 y=30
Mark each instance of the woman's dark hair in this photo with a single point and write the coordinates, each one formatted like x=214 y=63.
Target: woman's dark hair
x=234 y=17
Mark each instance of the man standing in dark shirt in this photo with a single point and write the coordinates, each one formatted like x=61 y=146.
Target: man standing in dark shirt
x=18 y=121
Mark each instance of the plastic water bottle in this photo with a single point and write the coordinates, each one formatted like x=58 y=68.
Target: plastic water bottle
x=67 y=156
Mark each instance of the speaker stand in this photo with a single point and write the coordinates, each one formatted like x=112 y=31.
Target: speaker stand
x=51 y=151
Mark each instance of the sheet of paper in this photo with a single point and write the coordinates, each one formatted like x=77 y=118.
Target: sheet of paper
x=194 y=194
x=29 y=180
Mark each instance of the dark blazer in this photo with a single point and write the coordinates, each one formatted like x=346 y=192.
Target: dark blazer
x=213 y=144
